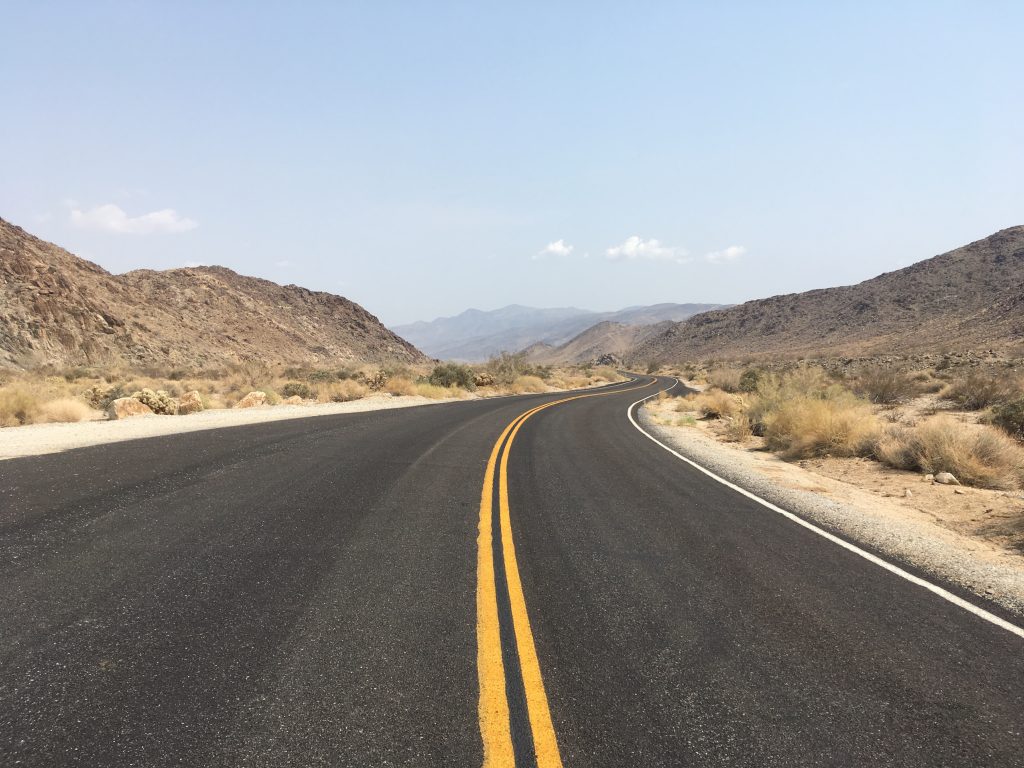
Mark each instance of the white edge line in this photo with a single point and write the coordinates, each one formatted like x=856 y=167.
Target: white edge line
x=934 y=588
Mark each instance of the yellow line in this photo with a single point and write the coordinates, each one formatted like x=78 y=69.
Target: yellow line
x=495 y=728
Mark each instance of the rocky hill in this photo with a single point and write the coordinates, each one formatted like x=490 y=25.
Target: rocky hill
x=56 y=308
x=606 y=338
x=476 y=335
x=968 y=299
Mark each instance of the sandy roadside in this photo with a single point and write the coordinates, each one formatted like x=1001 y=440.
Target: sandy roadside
x=920 y=529
x=37 y=439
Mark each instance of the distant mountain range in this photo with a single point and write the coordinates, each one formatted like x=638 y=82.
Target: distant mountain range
x=969 y=299
x=476 y=335
x=58 y=309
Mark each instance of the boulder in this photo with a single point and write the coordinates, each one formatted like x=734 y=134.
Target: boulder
x=124 y=407
x=945 y=478
x=293 y=400
x=252 y=400
x=191 y=402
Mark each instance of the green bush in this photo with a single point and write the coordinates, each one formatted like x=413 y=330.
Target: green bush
x=452 y=375
x=293 y=388
x=749 y=380
x=1009 y=417
x=507 y=367
x=978 y=391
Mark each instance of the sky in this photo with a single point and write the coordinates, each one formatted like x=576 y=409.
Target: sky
x=423 y=158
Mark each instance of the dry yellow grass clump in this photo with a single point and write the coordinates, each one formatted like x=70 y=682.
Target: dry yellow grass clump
x=66 y=409
x=527 y=384
x=975 y=454
x=711 y=404
x=837 y=426
x=400 y=386
x=18 y=405
x=341 y=391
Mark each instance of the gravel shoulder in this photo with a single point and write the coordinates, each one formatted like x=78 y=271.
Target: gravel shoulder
x=889 y=526
x=37 y=439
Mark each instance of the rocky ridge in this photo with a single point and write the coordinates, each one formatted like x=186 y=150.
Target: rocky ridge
x=58 y=309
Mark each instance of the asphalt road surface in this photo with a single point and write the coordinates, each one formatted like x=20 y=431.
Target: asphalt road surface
x=446 y=585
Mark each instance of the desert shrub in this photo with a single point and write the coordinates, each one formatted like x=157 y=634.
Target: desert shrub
x=400 y=385
x=348 y=373
x=483 y=379
x=159 y=401
x=749 y=380
x=377 y=380
x=605 y=373
x=528 y=384
x=980 y=456
x=435 y=391
x=341 y=391
x=711 y=404
x=726 y=379
x=452 y=375
x=885 y=386
x=19 y=404
x=317 y=376
x=65 y=409
x=976 y=391
x=297 y=389
x=100 y=397
x=653 y=367
x=74 y=374
x=507 y=367
x=737 y=428
x=1009 y=417
x=252 y=373
x=805 y=426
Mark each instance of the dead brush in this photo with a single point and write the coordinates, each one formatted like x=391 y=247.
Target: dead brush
x=976 y=455
x=976 y=390
x=712 y=404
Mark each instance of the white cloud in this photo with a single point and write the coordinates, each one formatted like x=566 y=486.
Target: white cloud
x=636 y=248
x=557 y=248
x=731 y=253
x=110 y=218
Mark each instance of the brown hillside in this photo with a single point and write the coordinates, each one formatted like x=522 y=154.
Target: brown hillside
x=603 y=338
x=56 y=308
x=971 y=298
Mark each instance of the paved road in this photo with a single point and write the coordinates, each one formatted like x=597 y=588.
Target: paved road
x=320 y=592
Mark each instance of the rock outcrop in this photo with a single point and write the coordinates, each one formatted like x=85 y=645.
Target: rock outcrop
x=58 y=309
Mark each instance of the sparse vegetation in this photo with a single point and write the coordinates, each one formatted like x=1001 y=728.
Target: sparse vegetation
x=452 y=375
x=67 y=409
x=976 y=391
x=980 y=456
x=297 y=389
x=1009 y=417
x=885 y=386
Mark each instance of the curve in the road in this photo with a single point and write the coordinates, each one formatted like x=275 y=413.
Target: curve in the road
x=894 y=569
x=515 y=718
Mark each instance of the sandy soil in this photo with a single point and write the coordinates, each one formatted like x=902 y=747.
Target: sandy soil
x=37 y=439
x=974 y=537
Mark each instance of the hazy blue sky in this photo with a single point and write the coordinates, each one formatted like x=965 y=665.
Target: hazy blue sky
x=422 y=158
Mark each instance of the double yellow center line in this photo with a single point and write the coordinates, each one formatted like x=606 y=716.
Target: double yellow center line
x=515 y=719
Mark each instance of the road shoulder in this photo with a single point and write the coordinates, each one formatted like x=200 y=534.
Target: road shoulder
x=899 y=532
